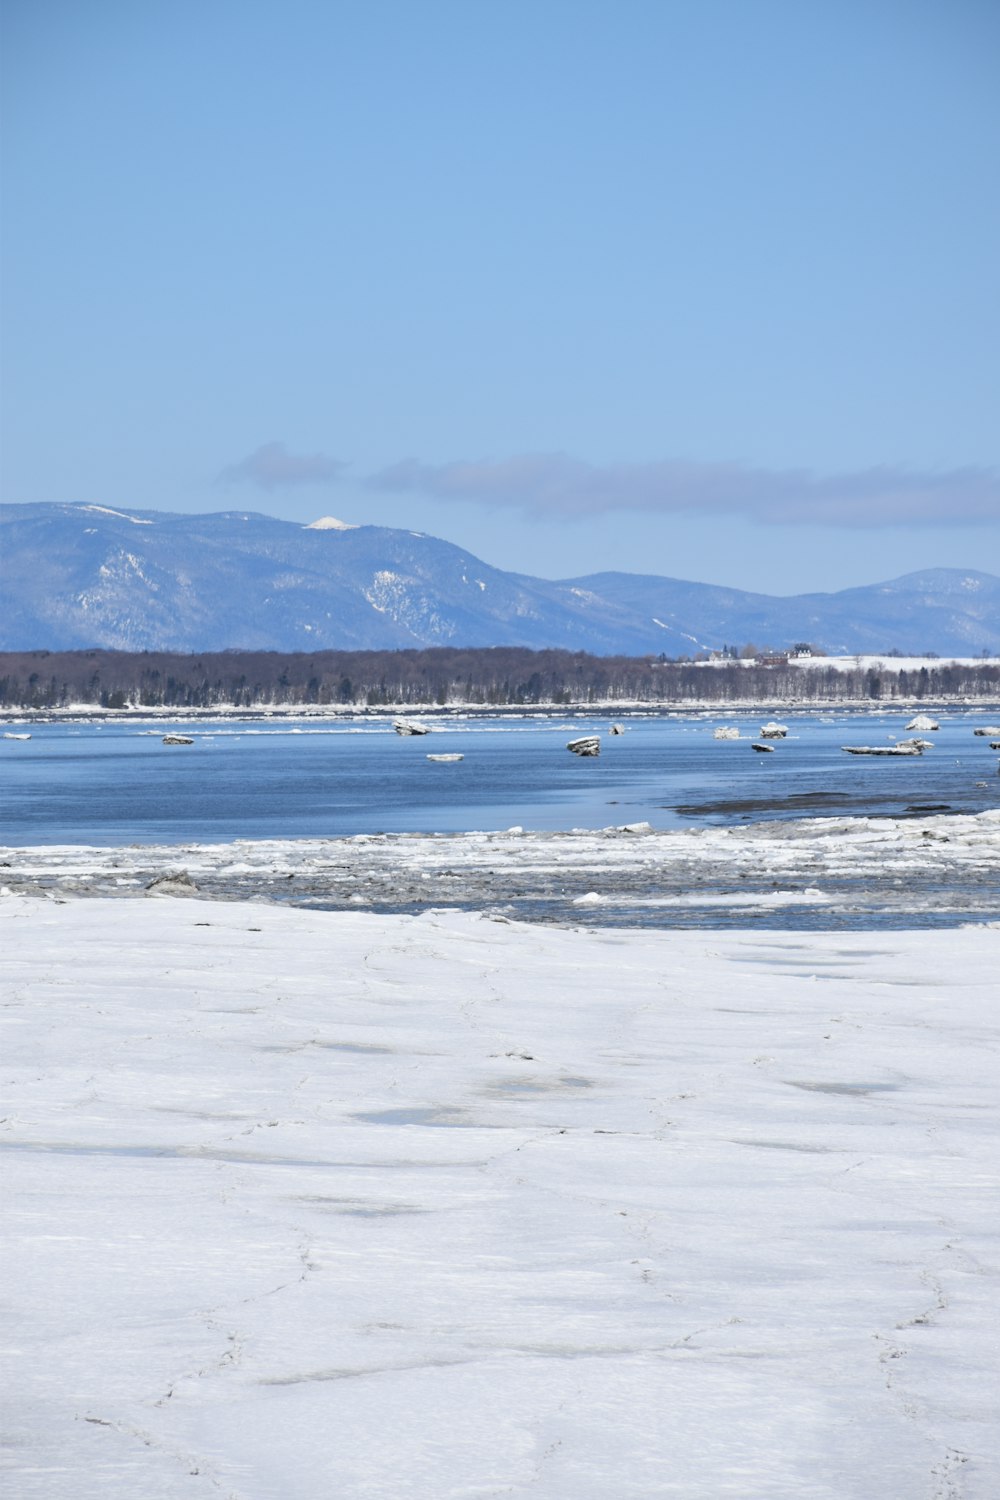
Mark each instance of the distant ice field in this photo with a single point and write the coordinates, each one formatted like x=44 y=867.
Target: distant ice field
x=115 y=782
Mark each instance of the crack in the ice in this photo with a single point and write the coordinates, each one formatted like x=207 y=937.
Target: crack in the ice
x=196 y=1465
x=939 y=1304
x=312 y=1377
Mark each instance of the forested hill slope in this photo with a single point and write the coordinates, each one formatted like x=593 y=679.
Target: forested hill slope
x=80 y=576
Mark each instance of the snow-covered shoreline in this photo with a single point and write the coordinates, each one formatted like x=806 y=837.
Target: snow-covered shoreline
x=308 y=1204
x=85 y=713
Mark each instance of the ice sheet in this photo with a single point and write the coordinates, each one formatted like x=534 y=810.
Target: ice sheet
x=307 y=1204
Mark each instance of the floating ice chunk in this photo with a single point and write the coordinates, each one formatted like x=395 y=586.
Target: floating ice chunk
x=175 y=883
x=588 y=744
x=905 y=747
x=409 y=726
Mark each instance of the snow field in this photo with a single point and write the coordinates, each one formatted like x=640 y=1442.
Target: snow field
x=311 y=1204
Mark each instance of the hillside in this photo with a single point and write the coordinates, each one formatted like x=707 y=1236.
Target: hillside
x=80 y=576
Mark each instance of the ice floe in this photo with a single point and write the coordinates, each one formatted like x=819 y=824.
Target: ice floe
x=939 y=867
x=410 y=726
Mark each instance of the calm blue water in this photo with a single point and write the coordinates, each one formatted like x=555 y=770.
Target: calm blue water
x=117 y=783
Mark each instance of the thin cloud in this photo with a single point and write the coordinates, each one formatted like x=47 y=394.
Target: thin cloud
x=557 y=486
x=272 y=467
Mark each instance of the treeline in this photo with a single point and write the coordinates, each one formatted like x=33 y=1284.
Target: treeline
x=500 y=676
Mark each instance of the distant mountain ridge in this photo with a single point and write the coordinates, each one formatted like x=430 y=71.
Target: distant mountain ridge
x=78 y=576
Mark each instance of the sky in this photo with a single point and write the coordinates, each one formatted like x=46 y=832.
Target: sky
x=700 y=288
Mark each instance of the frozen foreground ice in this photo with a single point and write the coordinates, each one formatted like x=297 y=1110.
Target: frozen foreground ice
x=306 y=1204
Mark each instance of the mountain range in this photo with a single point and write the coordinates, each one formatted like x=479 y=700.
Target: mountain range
x=78 y=576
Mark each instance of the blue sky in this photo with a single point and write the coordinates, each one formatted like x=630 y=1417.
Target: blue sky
x=706 y=289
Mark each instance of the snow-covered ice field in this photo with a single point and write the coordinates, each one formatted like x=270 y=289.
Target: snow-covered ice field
x=307 y=1204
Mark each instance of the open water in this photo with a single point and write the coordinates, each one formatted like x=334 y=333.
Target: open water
x=115 y=782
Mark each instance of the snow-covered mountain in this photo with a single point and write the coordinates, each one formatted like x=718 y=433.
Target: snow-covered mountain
x=75 y=576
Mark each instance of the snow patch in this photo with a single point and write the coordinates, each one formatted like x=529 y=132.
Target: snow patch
x=882 y=663
x=675 y=631
x=105 y=510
